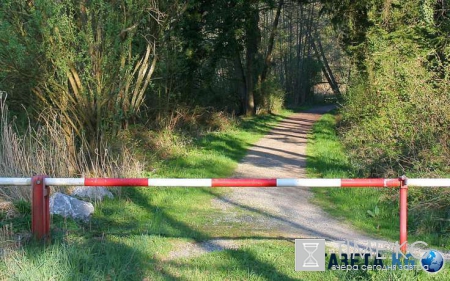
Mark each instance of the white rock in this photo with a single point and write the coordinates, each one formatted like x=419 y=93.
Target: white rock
x=93 y=193
x=67 y=206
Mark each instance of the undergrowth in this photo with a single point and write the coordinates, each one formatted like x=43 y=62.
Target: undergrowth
x=373 y=210
x=41 y=148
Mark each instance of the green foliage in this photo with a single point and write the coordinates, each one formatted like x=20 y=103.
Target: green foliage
x=23 y=207
x=311 y=76
x=403 y=129
x=271 y=99
x=201 y=45
x=395 y=118
x=375 y=213
x=92 y=61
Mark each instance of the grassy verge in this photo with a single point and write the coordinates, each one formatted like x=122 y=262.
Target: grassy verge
x=371 y=210
x=327 y=159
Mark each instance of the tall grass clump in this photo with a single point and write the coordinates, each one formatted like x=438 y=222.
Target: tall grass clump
x=43 y=149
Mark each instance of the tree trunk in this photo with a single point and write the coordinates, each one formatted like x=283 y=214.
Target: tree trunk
x=240 y=82
x=268 y=60
x=250 y=82
x=252 y=40
x=300 y=43
x=305 y=76
x=326 y=67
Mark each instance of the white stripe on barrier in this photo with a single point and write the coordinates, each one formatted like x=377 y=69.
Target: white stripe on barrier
x=180 y=182
x=15 y=181
x=309 y=182
x=428 y=182
x=64 y=181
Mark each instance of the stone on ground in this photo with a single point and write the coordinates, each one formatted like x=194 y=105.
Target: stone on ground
x=67 y=206
x=92 y=193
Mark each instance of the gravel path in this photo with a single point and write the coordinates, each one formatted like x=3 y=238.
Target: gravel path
x=284 y=212
x=282 y=154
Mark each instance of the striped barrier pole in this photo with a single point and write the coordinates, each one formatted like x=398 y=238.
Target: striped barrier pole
x=231 y=182
x=40 y=184
x=403 y=201
x=228 y=182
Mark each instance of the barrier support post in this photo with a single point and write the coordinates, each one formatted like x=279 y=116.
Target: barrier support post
x=403 y=214
x=40 y=209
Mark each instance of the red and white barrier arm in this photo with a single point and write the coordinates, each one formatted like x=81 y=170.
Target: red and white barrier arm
x=230 y=182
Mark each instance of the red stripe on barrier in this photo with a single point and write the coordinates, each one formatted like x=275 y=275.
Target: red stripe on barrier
x=370 y=183
x=115 y=182
x=244 y=182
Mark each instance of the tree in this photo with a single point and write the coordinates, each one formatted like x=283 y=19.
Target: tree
x=325 y=66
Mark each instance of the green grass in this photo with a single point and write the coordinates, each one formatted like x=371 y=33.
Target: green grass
x=184 y=212
x=130 y=237
x=327 y=159
x=142 y=258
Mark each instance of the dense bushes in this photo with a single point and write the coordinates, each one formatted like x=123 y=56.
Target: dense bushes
x=396 y=113
x=91 y=61
x=399 y=108
x=396 y=118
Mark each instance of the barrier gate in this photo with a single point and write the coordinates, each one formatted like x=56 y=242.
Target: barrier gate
x=40 y=220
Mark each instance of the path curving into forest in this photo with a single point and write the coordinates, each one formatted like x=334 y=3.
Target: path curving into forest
x=279 y=212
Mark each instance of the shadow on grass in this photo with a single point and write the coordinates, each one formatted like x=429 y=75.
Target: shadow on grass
x=172 y=227
x=243 y=263
x=259 y=124
x=228 y=145
x=105 y=258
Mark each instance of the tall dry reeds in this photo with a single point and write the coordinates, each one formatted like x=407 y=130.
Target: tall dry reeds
x=44 y=149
